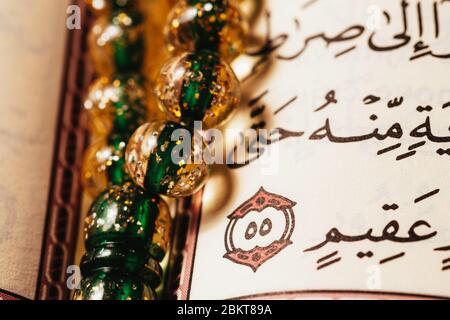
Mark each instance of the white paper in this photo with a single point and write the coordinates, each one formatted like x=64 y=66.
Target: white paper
x=339 y=185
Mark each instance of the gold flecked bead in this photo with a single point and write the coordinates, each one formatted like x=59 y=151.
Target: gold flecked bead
x=108 y=97
x=197 y=87
x=211 y=25
x=152 y=160
x=116 y=43
x=103 y=164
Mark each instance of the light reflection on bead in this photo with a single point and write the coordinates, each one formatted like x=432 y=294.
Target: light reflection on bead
x=197 y=86
x=116 y=44
x=151 y=165
x=206 y=24
x=119 y=102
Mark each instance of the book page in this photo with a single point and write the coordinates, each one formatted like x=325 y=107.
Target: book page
x=32 y=61
x=350 y=197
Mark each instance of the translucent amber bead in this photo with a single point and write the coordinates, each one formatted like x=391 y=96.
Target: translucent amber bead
x=124 y=214
x=215 y=25
x=117 y=104
x=116 y=43
x=113 y=286
x=197 y=87
x=163 y=158
x=104 y=165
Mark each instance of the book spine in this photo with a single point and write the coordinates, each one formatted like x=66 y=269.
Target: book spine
x=63 y=211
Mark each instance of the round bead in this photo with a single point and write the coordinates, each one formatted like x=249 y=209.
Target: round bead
x=122 y=214
x=197 y=87
x=215 y=25
x=117 y=104
x=116 y=43
x=163 y=158
x=113 y=286
x=104 y=165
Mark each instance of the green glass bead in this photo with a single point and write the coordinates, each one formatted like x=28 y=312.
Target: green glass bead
x=113 y=286
x=129 y=111
x=215 y=25
x=116 y=257
x=117 y=104
x=162 y=157
x=116 y=170
x=104 y=165
x=116 y=43
x=122 y=214
x=197 y=87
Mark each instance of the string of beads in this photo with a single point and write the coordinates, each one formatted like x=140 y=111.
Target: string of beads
x=131 y=165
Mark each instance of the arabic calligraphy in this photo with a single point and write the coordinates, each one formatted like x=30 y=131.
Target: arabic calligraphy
x=275 y=44
x=396 y=131
x=389 y=233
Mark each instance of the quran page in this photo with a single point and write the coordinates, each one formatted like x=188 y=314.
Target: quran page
x=347 y=195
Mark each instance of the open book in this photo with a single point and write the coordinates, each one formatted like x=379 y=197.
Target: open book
x=350 y=197
x=343 y=193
